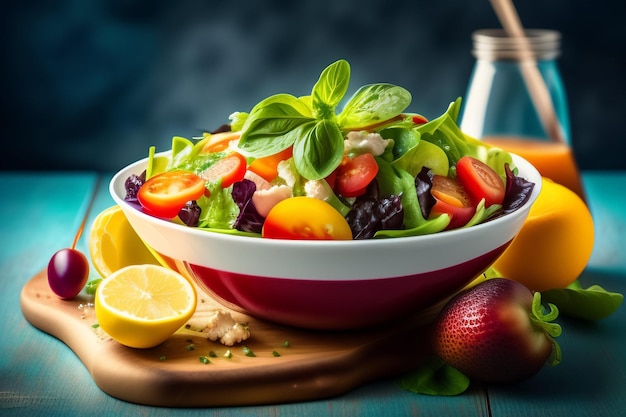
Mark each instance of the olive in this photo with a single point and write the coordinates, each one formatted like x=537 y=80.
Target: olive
x=68 y=271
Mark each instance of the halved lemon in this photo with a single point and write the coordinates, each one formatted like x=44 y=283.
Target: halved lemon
x=113 y=244
x=141 y=306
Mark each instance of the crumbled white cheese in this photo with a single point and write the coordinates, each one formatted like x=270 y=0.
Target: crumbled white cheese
x=318 y=189
x=286 y=172
x=265 y=200
x=363 y=141
x=223 y=327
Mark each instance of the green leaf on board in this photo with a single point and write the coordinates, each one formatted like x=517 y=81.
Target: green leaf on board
x=593 y=303
x=435 y=377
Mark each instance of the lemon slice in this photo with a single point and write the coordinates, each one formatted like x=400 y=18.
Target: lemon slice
x=113 y=244
x=141 y=306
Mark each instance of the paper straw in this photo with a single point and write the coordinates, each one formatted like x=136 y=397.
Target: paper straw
x=537 y=88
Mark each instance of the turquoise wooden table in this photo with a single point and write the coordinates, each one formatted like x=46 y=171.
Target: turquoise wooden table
x=40 y=375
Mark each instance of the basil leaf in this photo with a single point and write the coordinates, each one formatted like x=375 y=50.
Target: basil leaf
x=318 y=149
x=593 y=303
x=330 y=89
x=372 y=104
x=307 y=103
x=299 y=105
x=269 y=137
x=435 y=377
x=270 y=128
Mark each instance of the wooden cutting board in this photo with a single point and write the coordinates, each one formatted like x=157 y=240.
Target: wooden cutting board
x=315 y=365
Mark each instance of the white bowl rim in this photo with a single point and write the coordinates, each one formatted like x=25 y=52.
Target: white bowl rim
x=352 y=250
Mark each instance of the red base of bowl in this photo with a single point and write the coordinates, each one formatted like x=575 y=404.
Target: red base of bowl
x=344 y=304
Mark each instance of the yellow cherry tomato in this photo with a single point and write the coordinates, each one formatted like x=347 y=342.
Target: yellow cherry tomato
x=305 y=218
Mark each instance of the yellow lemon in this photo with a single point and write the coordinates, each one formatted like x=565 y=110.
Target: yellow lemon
x=141 y=306
x=554 y=243
x=113 y=244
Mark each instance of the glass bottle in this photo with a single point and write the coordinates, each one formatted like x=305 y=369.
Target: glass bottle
x=500 y=106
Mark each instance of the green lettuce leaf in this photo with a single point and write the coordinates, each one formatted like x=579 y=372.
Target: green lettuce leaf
x=445 y=133
x=219 y=211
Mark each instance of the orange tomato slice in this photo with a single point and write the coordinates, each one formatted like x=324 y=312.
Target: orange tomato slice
x=267 y=167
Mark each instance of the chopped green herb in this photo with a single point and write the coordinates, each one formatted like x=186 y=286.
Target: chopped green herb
x=95 y=325
x=248 y=352
x=204 y=359
x=191 y=346
x=286 y=343
x=275 y=354
x=213 y=354
x=162 y=358
x=228 y=354
x=92 y=286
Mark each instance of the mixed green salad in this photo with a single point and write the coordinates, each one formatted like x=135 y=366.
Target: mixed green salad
x=297 y=168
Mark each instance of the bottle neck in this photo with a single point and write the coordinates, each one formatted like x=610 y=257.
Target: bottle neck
x=496 y=45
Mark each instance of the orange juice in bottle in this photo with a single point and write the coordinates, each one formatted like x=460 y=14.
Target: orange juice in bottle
x=552 y=159
x=501 y=105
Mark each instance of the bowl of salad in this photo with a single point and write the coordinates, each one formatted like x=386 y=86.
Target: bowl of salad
x=303 y=215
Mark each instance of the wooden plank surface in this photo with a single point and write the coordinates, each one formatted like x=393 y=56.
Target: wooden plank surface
x=315 y=365
x=43 y=376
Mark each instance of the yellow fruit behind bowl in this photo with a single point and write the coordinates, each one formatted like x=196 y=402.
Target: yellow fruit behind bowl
x=555 y=242
x=141 y=306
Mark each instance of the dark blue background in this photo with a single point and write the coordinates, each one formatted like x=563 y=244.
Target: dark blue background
x=92 y=84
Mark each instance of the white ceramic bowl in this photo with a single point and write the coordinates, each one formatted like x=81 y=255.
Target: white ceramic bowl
x=328 y=284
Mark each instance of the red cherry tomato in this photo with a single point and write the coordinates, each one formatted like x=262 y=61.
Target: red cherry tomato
x=452 y=199
x=355 y=174
x=305 y=218
x=163 y=195
x=230 y=169
x=480 y=181
x=418 y=119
